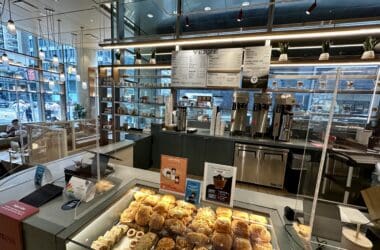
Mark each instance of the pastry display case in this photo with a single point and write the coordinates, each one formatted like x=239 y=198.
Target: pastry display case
x=144 y=218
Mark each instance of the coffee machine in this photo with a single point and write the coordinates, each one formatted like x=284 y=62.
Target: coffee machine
x=260 y=121
x=283 y=117
x=239 y=112
x=181 y=118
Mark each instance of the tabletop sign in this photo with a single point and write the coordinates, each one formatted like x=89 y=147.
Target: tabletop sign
x=256 y=65
x=219 y=183
x=189 y=68
x=193 y=191
x=173 y=174
x=12 y=214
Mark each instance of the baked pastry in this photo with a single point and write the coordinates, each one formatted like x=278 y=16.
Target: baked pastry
x=168 y=198
x=200 y=248
x=139 y=234
x=262 y=246
x=143 y=215
x=156 y=222
x=240 y=229
x=181 y=243
x=254 y=218
x=151 y=200
x=239 y=215
x=198 y=239
x=131 y=233
x=142 y=193
x=187 y=219
x=259 y=233
x=175 y=226
x=124 y=228
x=103 y=186
x=98 y=245
x=200 y=226
x=223 y=212
x=162 y=208
x=241 y=244
x=206 y=213
x=223 y=225
x=128 y=215
x=111 y=237
x=133 y=243
x=179 y=212
x=105 y=241
x=187 y=205
x=221 y=241
x=146 y=242
x=165 y=243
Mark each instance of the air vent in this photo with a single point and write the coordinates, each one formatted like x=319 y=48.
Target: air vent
x=25 y=5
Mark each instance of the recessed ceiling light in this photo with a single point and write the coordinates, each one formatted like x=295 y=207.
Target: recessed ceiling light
x=244 y=4
x=150 y=15
x=174 y=12
x=91 y=20
x=207 y=8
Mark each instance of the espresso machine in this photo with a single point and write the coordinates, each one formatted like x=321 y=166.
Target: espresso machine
x=260 y=120
x=283 y=117
x=239 y=112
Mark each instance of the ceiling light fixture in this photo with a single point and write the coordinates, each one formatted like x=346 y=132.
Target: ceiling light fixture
x=187 y=22
x=11 y=27
x=62 y=75
x=239 y=38
x=245 y=4
x=207 y=8
x=4 y=58
x=41 y=53
x=240 y=16
x=150 y=15
x=311 y=8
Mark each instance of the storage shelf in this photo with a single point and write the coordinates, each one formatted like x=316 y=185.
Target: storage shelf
x=141 y=87
x=149 y=103
x=142 y=116
x=19 y=91
x=137 y=66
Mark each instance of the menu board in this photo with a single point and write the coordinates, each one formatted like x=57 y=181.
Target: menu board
x=173 y=174
x=225 y=60
x=223 y=79
x=189 y=68
x=256 y=65
x=219 y=183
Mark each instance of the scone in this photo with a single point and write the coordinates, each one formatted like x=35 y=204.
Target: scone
x=162 y=208
x=143 y=215
x=262 y=246
x=187 y=205
x=221 y=241
x=255 y=218
x=146 y=241
x=156 y=222
x=223 y=212
x=175 y=226
x=259 y=233
x=223 y=225
x=200 y=226
x=179 y=212
x=197 y=239
x=128 y=215
x=239 y=215
x=165 y=243
x=151 y=200
x=168 y=198
x=241 y=244
x=181 y=243
x=240 y=229
x=142 y=193
x=98 y=245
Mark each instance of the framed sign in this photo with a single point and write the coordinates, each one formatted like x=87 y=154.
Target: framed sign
x=193 y=191
x=219 y=183
x=173 y=174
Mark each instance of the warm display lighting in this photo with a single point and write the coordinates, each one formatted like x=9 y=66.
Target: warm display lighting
x=55 y=60
x=11 y=27
x=275 y=36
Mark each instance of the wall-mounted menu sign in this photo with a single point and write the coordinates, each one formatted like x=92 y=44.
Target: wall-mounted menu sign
x=256 y=66
x=189 y=68
x=223 y=80
x=219 y=183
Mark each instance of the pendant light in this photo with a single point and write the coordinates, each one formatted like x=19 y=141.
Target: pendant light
x=5 y=59
x=311 y=8
x=55 y=58
x=41 y=53
x=239 y=18
x=62 y=74
x=11 y=27
x=71 y=69
x=84 y=83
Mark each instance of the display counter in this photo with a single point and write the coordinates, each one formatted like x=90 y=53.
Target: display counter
x=54 y=228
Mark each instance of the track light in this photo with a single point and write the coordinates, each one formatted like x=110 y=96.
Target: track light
x=5 y=58
x=240 y=16
x=55 y=60
x=41 y=54
x=11 y=27
x=187 y=22
x=311 y=8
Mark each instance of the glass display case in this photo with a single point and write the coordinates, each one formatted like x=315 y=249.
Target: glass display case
x=257 y=224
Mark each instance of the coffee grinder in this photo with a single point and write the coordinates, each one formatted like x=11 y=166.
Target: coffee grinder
x=283 y=117
x=239 y=113
x=260 y=120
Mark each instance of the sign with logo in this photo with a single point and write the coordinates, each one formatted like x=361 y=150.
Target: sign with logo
x=173 y=174
x=193 y=191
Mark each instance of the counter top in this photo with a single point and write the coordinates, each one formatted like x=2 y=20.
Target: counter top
x=294 y=143
x=114 y=147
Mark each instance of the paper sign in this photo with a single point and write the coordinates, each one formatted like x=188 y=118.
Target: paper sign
x=219 y=183
x=256 y=66
x=173 y=174
x=11 y=215
x=352 y=215
x=80 y=189
x=193 y=191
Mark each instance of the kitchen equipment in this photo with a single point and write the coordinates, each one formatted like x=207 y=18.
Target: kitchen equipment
x=260 y=165
x=283 y=117
x=260 y=121
x=239 y=112
x=181 y=118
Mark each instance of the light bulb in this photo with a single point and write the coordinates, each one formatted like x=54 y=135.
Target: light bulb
x=84 y=85
x=55 y=60
x=5 y=58
x=77 y=77
x=41 y=54
x=62 y=77
x=11 y=27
